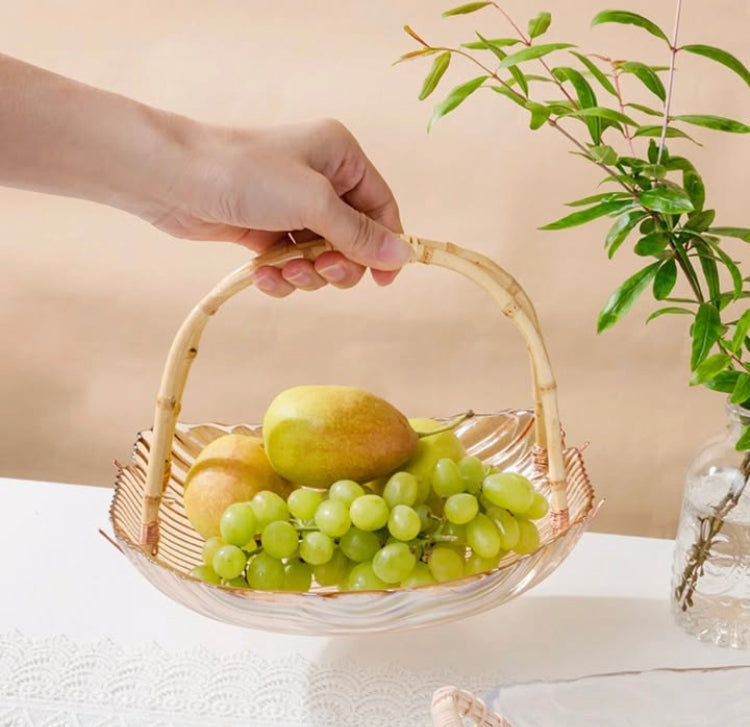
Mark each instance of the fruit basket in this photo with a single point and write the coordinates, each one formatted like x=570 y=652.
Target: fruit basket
x=152 y=529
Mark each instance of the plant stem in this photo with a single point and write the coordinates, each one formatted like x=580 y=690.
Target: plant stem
x=621 y=103
x=670 y=83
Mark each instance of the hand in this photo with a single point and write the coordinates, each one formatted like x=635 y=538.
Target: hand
x=255 y=186
x=193 y=180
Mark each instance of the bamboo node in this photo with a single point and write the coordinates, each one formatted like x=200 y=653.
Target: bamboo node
x=511 y=309
x=560 y=521
x=149 y=536
x=166 y=402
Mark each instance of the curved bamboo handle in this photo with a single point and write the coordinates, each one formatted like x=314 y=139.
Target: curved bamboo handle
x=501 y=286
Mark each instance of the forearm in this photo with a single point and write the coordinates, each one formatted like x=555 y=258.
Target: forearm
x=63 y=137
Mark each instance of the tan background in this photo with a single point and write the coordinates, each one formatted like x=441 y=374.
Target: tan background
x=92 y=297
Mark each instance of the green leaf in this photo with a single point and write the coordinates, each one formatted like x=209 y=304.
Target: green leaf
x=539 y=25
x=720 y=56
x=603 y=113
x=439 y=67
x=596 y=72
x=455 y=98
x=669 y=310
x=620 y=230
x=493 y=42
x=734 y=272
x=532 y=52
x=647 y=76
x=466 y=9
x=666 y=200
x=742 y=233
x=700 y=221
x=539 y=114
x=604 y=154
x=623 y=298
x=710 y=269
x=706 y=332
x=501 y=55
x=724 y=381
x=652 y=244
x=709 y=367
x=603 y=196
x=665 y=279
x=586 y=97
x=741 y=329
x=677 y=163
x=695 y=188
x=645 y=109
x=655 y=131
x=743 y=443
x=626 y=18
x=741 y=391
x=512 y=95
x=580 y=218
x=416 y=54
x=718 y=123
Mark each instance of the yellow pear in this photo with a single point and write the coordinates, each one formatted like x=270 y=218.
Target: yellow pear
x=230 y=469
x=315 y=435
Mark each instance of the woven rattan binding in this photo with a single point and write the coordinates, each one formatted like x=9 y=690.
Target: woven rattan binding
x=501 y=286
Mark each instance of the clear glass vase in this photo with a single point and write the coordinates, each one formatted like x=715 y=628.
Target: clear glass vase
x=711 y=570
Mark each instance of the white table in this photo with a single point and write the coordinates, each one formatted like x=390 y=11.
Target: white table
x=84 y=639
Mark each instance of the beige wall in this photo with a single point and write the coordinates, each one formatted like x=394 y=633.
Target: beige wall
x=91 y=297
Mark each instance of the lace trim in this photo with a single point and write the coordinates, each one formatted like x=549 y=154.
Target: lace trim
x=56 y=682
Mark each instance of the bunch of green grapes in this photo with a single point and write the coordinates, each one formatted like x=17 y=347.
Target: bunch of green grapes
x=460 y=519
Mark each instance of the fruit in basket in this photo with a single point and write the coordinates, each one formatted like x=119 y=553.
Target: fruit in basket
x=316 y=435
x=350 y=538
x=232 y=468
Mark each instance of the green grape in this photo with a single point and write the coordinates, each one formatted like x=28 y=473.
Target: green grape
x=359 y=545
x=346 y=491
x=332 y=518
x=297 y=576
x=238 y=524
x=401 y=489
x=507 y=526
x=265 y=573
x=238 y=582
x=210 y=547
x=445 y=564
x=482 y=536
x=472 y=471
x=426 y=520
x=316 y=548
x=205 y=573
x=393 y=562
x=229 y=562
x=539 y=507
x=303 y=503
x=369 y=512
x=420 y=576
x=528 y=540
x=461 y=508
x=476 y=564
x=404 y=523
x=446 y=478
x=335 y=571
x=454 y=534
x=509 y=490
x=280 y=539
x=268 y=507
x=362 y=578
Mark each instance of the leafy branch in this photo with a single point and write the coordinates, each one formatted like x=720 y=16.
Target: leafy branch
x=658 y=201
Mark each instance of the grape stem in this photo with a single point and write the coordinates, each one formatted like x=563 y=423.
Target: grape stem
x=449 y=426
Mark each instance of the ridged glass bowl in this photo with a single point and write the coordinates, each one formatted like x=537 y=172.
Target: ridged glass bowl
x=505 y=439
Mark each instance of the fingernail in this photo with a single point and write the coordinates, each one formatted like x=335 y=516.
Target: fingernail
x=394 y=252
x=333 y=273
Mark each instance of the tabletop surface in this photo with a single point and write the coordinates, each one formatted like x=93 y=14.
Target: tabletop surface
x=85 y=639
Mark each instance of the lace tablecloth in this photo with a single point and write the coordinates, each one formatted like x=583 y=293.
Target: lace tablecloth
x=90 y=643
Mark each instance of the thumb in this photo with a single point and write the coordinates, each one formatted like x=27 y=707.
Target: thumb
x=360 y=238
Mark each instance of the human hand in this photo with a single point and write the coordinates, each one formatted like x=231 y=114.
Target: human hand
x=256 y=187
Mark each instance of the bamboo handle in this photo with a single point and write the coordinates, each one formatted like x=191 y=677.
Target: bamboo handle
x=501 y=286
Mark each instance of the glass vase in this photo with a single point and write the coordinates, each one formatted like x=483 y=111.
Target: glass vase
x=711 y=570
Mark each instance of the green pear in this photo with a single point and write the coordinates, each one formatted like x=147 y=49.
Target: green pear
x=317 y=434
x=429 y=450
x=230 y=469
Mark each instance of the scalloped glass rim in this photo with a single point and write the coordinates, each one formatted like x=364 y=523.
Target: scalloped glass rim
x=503 y=438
